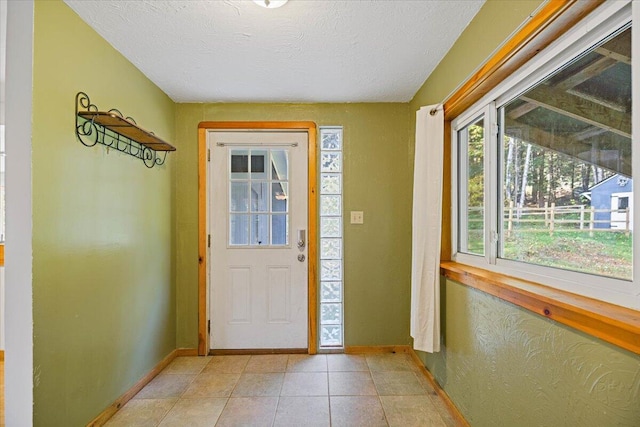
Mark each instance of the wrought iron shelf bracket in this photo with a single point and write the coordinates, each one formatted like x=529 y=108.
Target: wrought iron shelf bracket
x=113 y=130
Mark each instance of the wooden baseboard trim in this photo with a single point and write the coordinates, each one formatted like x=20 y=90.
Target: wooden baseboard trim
x=128 y=395
x=257 y=351
x=453 y=410
x=181 y=352
x=368 y=349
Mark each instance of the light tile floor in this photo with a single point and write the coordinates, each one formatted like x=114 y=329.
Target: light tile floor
x=287 y=390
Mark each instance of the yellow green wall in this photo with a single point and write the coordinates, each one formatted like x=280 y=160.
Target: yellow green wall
x=111 y=237
x=505 y=366
x=496 y=20
x=502 y=365
x=103 y=227
x=377 y=180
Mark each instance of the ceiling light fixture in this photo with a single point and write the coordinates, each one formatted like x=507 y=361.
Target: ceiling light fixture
x=270 y=4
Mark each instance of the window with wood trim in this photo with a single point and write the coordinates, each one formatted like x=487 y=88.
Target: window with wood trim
x=543 y=166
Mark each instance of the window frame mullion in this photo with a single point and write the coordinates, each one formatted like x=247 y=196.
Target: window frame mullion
x=491 y=184
x=462 y=196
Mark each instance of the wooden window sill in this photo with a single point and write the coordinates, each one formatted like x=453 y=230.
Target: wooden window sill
x=615 y=324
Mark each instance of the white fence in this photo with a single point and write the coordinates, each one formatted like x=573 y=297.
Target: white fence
x=552 y=218
x=566 y=218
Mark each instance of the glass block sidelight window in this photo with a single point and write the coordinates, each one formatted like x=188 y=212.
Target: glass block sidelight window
x=331 y=260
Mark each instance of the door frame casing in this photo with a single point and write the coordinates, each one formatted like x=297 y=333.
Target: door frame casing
x=312 y=205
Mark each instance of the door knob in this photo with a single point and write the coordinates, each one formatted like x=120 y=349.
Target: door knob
x=301 y=257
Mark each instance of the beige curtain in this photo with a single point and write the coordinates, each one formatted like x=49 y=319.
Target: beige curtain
x=426 y=234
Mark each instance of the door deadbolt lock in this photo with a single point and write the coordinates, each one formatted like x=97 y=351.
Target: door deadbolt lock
x=301 y=257
x=302 y=238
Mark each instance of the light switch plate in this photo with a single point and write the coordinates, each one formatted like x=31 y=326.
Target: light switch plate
x=357 y=217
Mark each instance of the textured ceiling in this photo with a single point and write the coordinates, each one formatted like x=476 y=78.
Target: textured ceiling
x=305 y=51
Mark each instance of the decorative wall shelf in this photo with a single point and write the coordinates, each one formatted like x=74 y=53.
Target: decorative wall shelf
x=113 y=130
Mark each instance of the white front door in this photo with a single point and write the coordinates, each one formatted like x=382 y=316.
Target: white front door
x=258 y=224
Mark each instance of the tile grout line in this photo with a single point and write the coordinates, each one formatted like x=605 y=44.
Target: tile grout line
x=178 y=398
x=275 y=413
x=284 y=374
x=384 y=412
x=221 y=412
x=167 y=413
x=230 y=393
x=186 y=388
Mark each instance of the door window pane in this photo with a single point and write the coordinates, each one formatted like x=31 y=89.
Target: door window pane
x=280 y=200
x=239 y=229
x=259 y=230
x=623 y=203
x=239 y=164
x=258 y=163
x=279 y=165
x=259 y=196
x=279 y=230
x=239 y=197
x=258 y=183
